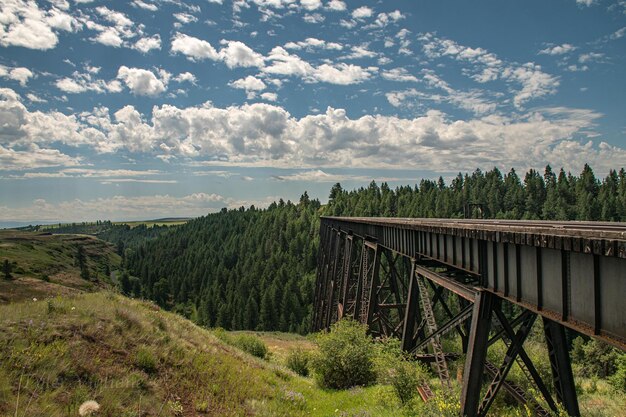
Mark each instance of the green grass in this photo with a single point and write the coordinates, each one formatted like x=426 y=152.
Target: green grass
x=135 y=359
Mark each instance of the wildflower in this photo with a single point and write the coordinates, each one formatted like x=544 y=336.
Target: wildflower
x=88 y=408
x=73 y=308
x=34 y=299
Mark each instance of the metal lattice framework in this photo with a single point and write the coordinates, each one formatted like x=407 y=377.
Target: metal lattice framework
x=421 y=279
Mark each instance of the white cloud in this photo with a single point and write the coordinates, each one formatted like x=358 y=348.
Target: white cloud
x=144 y=5
x=263 y=134
x=558 y=49
x=185 y=77
x=19 y=74
x=314 y=18
x=147 y=44
x=35 y=99
x=590 y=57
x=25 y=24
x=185 y=18
x=311 y=4
x=399 y=74
x=141 y=82
x=251 y=84
x=34 y=157
x=585 y=2
x=269 y=96
x=359 y=52
x=109 y=37
x=618 y=34
x=488 y=67
x=336 y=5
x=362 y=12
x=238 y=54
x=81 y=82
x=314 y=43
x=193 y=48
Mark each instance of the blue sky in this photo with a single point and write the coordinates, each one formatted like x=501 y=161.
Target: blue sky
x=154 y=108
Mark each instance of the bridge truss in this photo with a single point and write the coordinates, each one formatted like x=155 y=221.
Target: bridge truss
x=487 y=281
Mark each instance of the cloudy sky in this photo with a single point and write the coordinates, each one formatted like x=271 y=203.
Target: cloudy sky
x=153 y=108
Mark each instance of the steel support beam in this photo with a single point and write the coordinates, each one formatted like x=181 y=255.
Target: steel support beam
x=476 y=353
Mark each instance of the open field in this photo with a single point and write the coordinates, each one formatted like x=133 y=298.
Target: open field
x=43 y=264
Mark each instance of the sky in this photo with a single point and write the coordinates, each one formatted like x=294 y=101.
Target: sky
x=168 y=108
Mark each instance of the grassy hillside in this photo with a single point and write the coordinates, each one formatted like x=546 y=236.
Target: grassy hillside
x=46 y=265
x=137 y=360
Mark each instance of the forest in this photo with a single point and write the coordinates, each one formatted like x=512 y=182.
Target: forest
x=254 y=269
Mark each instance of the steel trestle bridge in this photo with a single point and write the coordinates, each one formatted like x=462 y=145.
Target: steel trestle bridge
x=485 y=280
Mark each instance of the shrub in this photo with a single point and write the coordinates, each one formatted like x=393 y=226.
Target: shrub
x=144 y=359
x=345 y=357
x=395 y=369
x=298 y=361
x=618 y=380
x=252 y=345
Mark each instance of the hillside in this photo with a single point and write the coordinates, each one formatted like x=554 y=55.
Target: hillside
x=43 y=265
x=135 y=359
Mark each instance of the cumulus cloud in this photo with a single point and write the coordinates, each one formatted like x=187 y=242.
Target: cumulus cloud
x=558 y=49
x=399 y=74
x=262 y=134
x=25 y=24
x=251 y=84
x=362 y=12
x=283 y=63
x=147 y=44
x=193 y=48
x=311 y=4
x=19 y=74
x=144 y=5
x=238 y=54
x=336 y=5
x=185 y=77
x=82 y=82
x=314 y=43
x=142 y=82
x=269 y=96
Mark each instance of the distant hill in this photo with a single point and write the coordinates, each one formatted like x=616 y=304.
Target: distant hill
x=45 y=265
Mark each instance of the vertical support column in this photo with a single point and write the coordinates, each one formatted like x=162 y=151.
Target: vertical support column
x=411 y=313
x=373 y=286
x=476 y=353
x=561 y=366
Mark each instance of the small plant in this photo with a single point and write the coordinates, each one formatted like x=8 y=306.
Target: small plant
x=252 y=345
x=144 y=359
x=345 y=357
x=298 y=361
x=175 y=407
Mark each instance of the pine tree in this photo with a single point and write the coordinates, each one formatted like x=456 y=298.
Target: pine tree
x=6 y=269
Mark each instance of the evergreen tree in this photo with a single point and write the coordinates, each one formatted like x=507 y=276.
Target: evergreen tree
x=6 y=269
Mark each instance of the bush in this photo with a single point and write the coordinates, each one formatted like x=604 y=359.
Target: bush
x=618 y=380
x=251 y=344
x=395 y=369
x=345 y=357
x=298 y=361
